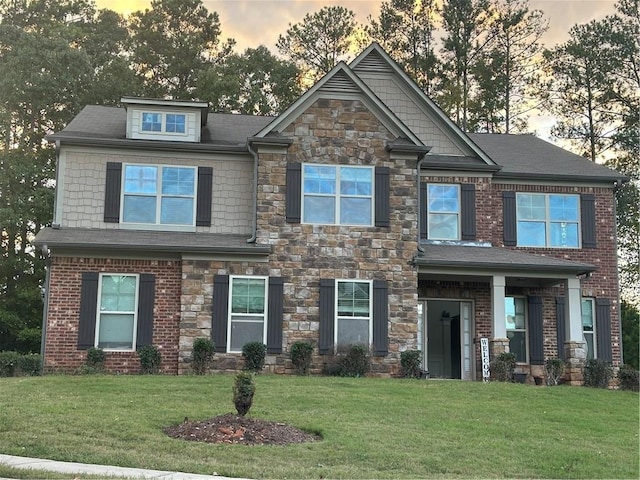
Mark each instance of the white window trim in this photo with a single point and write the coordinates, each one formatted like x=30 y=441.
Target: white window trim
x=230 y=313
x=135 y=312
x=337 y=196
x=594 y=321
x=163 y=123
x=548 y=222
x=157 y=225
x=525 y=329
x=458 y=212
x=337 y=317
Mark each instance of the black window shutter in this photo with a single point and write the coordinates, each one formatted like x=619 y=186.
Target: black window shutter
x=588 y=220
x=536 y=332
x=560 y=326
x=380 y=318
x=220 y=312
x=509 y=218
x=468 y=211
x=88 y=310
x=203 y=203
x=603 y=329
x=146 y=301
x=294 y=192
x=423 y=211
x=112 y=192
x=327 y=316
x=274 y=319
x=382 y=197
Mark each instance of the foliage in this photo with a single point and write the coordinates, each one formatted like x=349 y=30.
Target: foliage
x=502 y=367
x=410 y=361
x=150 y=359
x=14 y=364
x=203 y=350
x=597 y=373
x=349 y=361
x=95 y=359
x=553 y=370
x=243 y=390
x=301 y=352
x=630 y=334
x=629 y=378
x=254 y=354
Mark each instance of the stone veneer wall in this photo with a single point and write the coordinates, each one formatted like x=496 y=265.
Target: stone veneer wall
x=61 y=351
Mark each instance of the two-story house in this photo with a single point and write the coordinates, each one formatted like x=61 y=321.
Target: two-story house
x=361 y=214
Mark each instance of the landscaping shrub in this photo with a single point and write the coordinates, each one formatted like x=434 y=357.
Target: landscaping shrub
x=150 y=359
x=202 y=356
x=553 y=370
x=243 y=391
x=629 y=378
x=301 y=352
x=410 y=363
x=14 y=364
x=597 y=373
x=254 y=354
x=350 y=361
x=503 y=366
x=94 y=362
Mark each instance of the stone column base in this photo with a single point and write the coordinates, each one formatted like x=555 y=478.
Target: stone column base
x=498 y=346
x=575 y=357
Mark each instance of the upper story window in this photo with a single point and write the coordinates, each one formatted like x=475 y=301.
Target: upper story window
x=160 y=195
x=337 y=195
x=160 y=122
x=247 y=312
x=548 y=220
x=516 y=325
x=443 y=211
x=589 y=326
x=354 y=312
x=117 y=313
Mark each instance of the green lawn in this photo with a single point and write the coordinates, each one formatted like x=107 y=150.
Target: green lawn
x=382 y=428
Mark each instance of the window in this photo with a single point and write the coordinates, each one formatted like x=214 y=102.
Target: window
x=117 y=306
x=516 y=323
x=157 y=122
x=443 y=212
x=354 y=312
x=547 y=220
x=589 y=327
x=337 y=195
x=248 y=312
x=161 y=195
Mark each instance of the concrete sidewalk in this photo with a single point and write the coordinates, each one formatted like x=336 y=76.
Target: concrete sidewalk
x=98 y=470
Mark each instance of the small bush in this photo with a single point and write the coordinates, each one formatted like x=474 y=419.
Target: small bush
x=150 y=359
x=597 y=373
x=553 y=370
x=629 y=378
x=301 y=352
x=202 y=356
x=8 y=362
x=95 y=360
x=410 y=363
x=503 y=366
x=243 y=391
x=350 y=361
x=254 y=354
x=14 y=364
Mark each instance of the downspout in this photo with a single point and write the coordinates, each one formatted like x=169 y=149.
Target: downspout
x=45 y=307
x=616 y=185
x=254 y=226
x=418 y=176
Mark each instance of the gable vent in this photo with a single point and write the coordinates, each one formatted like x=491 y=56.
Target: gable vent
x=339 y=83
x=373 y=63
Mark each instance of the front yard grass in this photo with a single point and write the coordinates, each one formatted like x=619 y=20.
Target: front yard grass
x=382 y=428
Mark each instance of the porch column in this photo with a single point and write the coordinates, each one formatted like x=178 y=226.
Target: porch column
x=574 y=347
x=499 y=342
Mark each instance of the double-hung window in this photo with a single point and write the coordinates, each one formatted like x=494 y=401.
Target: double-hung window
x=248 y=312
x=160 y=122
x=443 y=211
x=160 y=195
x=516 y=325
x=548 y=220
x=589 y=327
x=337 y=195
x=117 y=313
x=354 y=312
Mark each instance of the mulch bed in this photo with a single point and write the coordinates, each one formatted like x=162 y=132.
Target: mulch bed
x=232 y=428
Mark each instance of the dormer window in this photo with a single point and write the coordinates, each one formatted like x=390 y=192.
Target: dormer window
x=158 y=122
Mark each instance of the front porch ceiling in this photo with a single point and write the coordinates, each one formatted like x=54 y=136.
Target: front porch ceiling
x=513 y=281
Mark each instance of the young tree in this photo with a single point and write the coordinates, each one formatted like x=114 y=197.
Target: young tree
x=320 y=41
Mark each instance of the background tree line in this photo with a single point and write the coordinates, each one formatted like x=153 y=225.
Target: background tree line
x=481 y=61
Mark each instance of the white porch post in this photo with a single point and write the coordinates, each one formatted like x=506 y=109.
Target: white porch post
x=499 y=342
x=574 y=346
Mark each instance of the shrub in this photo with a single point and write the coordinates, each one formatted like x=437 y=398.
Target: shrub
x=350 y=361
x=150 y=359
x=243 y=390
x=95 y=358
x=301 y=352
x=14 y=364
x=254 y=354
x=503 y=366
x=629 y=378
x=553 y=370
x=410 y=363
x=8 y=361
x=202 y=356
x=597 y=373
